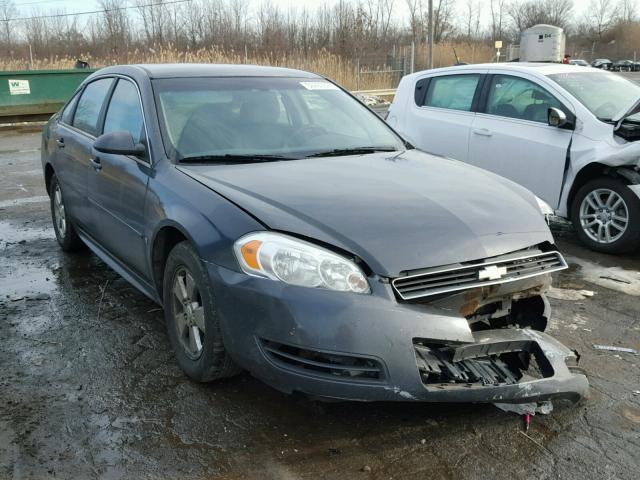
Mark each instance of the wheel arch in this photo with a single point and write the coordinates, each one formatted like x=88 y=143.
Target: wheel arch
x=48 y=175
x=594 y=170
x=166 y=237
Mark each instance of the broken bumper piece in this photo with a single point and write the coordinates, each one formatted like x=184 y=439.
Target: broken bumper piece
x=502 y=366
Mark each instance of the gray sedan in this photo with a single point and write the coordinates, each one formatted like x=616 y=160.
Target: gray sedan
x=287 y=230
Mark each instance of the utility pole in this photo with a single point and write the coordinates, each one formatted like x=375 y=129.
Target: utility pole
x=430 y=59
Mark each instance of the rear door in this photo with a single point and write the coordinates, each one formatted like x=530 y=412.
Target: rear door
x=442 y=111
x=118 y=183
x=511 y=137
x=74 y=137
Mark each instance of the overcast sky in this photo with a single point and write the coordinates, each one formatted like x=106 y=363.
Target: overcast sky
x=400 y=6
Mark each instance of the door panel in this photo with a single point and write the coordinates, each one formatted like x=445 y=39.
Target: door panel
x=72 y=168
x=514 y=140
x=118 y=184
x=441 y=118
x=531 y=154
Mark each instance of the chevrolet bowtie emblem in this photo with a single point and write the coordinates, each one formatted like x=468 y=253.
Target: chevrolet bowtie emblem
x=492 y=272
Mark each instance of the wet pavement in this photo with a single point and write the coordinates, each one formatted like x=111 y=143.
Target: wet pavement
x=89 y=387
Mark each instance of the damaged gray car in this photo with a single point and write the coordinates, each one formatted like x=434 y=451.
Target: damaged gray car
x=287 y=230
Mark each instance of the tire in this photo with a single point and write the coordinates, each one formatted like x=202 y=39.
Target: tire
x=200 y=352
x=62 y=225
x=585 y=209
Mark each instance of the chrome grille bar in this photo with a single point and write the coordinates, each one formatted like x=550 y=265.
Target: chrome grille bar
x=504 y=269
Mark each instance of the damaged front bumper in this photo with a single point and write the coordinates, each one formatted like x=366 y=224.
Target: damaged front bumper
x=505 y=365
x=374 y=348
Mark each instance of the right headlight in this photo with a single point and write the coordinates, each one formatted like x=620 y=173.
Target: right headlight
x=287 y=259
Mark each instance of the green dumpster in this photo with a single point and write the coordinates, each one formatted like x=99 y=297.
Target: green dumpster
x=33 y=95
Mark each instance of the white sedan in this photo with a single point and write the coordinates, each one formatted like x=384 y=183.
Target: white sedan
x=569 y=134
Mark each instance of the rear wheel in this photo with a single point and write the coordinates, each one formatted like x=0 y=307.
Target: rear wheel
x=65 y=233
x=192 y=320
x=606 y=216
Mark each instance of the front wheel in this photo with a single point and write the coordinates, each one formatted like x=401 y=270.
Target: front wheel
x=192 y=321
x=606 y=216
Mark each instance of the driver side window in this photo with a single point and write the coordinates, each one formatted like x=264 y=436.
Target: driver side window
x=519 y=98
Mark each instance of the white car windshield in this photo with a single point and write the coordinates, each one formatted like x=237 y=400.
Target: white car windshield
x=604 y=94
x=269 y=117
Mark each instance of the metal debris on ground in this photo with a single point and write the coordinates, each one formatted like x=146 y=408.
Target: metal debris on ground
x=613 y=348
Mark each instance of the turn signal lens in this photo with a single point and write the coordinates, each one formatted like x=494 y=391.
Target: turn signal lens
x=250 y=253
x=296 y=262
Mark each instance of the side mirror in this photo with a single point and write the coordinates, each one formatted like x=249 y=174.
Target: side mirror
x=556 y=117
x=118 y=143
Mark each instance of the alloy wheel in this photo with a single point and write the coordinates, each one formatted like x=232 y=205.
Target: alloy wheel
x=188 y=312
x=58 y=212
x=604 y=216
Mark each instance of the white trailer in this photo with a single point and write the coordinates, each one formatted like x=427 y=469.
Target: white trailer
x=542 y=43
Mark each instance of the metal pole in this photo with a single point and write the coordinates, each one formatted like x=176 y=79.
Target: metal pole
x=430 y=61
x=30 y=58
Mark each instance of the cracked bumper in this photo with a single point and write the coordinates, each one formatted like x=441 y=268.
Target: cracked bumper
x=284 y=335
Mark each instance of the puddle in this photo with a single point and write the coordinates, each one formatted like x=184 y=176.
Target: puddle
x=614 y=278
x=10 y=234
x=20 y=277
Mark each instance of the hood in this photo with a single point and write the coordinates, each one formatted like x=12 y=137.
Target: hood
x=396 y=212
x=626 y=112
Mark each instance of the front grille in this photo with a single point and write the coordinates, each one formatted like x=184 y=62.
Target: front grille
x=336 y=367
x=503 y=269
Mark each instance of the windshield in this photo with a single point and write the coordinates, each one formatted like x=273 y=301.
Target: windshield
x=604 y=94
x=266 y=117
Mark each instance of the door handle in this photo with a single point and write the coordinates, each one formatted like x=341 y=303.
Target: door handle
x=96 y=163
x=60 y=142
x=483 y=132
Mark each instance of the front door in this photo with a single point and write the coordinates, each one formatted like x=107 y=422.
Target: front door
x=118 y=184
x=512 y=138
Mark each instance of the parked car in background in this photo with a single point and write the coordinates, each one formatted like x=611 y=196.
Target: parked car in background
x=624 y=66
x=602 y=63
x=287 y=230
x=569 y=134
x=579 y=62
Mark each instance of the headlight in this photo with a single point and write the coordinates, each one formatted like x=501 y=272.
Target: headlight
x=545 y=208
x=296 y=262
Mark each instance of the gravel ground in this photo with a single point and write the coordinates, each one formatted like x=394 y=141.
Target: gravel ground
x=89 y=387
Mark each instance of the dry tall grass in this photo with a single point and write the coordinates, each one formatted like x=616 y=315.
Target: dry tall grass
x=340 y=69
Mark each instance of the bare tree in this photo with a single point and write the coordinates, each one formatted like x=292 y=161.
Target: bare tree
x=601 y=16
x=8 y=12
x=532 y=12
x=496 y=8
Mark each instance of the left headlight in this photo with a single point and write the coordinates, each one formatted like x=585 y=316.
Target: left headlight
x=296 y=262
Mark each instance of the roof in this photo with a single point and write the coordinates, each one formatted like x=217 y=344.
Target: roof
x=534 y=68
x=173 y=70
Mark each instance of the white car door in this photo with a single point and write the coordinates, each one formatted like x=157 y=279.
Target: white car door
x=511 y=137
x=440 y=114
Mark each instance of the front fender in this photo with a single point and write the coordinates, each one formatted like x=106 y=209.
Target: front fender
x=209 y=221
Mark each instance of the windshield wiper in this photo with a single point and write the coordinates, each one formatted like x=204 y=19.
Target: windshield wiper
x=338 y=152
x=234 y=158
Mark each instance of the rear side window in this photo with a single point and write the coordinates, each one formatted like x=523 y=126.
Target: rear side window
x=516 y=97
x=454 y=92
x=67 y=113
x=90 y=104
x=124 y=112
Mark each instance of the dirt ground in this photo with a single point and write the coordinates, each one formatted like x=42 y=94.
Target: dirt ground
x=89 y=388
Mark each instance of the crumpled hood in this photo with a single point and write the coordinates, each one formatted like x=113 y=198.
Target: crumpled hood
x=395 y=211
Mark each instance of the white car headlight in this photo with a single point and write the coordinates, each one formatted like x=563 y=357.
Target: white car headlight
x=296 y=262
x=545 y=208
